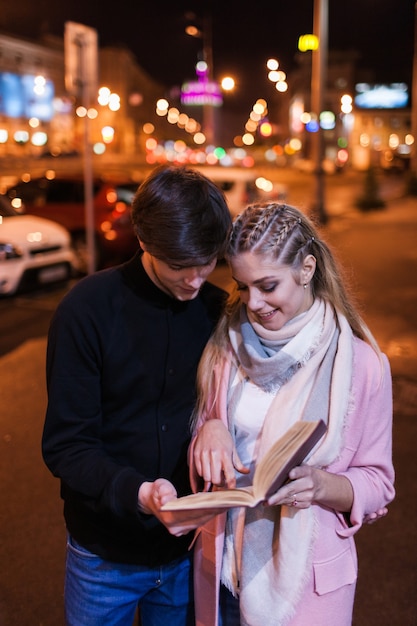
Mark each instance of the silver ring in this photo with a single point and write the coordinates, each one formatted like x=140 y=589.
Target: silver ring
x=294 y=500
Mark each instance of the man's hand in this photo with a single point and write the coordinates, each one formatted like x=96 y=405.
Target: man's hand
x=373 y=517
x=153 y=495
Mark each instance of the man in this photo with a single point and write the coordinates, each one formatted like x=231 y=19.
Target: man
x=123 y=350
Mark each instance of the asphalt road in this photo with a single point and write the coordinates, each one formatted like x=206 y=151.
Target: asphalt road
x=379 y=253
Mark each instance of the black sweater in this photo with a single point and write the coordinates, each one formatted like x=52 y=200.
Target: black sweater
x=121 y=365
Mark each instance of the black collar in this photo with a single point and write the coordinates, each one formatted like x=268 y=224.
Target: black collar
x=137 y=279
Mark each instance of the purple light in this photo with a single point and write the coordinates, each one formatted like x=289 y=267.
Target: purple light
x=202 y=92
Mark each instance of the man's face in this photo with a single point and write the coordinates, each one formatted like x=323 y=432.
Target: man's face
x=178 y=280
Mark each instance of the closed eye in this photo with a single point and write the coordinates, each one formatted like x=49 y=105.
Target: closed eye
x=176 y=268
x=264 y=288
x=269 y=288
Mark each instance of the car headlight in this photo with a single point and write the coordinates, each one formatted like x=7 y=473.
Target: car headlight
x=9 y=251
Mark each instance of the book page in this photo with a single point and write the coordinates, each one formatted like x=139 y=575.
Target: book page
x=270 y=474
x=222 y=498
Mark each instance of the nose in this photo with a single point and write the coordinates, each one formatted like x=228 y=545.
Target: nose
x=195 y=277
x=254 y=299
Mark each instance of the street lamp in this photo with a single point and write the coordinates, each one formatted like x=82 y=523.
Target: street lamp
x=277 y=76
x=228 y=83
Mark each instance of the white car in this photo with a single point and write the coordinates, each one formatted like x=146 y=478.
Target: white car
x=34 y=251
x=244 y=186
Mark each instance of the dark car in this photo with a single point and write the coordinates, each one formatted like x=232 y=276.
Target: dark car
x=62 y=200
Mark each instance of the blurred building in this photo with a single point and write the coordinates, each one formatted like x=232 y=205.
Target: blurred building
x=374 y=130
x=32 y=97
x=37 y=116
x=139 y=93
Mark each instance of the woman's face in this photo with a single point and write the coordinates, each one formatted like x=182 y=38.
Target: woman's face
x=272 y=292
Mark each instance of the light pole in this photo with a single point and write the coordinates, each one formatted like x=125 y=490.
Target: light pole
x=414 y=99
x=81 y=80
x=318 y=83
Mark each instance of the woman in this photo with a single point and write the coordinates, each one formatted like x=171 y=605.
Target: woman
x=291 y=346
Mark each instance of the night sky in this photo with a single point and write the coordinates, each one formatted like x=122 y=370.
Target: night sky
x=382 y=31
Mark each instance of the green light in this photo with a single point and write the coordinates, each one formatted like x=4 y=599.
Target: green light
x=219 y=152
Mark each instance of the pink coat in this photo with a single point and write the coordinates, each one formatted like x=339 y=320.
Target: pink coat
x=366 y=461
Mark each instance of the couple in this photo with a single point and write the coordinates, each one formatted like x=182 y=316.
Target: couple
x=123 y=352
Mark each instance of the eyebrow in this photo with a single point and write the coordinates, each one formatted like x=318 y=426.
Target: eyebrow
x=257 y=282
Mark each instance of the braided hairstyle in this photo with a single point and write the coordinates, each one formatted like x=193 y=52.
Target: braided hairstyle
x=279 y=231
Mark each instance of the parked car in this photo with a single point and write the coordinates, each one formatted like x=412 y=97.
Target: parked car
x=34 y=252
x=62 y=200
x=244 y=186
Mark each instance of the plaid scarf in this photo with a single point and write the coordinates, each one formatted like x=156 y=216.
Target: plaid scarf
x=307 y=365
x=270 y=358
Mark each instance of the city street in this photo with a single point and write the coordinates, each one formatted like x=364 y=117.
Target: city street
x=378 y=252
x=90 y=106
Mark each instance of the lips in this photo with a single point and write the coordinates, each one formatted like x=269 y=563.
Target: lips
x=266 y=316
x=188 y=290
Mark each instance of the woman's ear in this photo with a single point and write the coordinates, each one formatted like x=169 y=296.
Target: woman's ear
x=308 y=268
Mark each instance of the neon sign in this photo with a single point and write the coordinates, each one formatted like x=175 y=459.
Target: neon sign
x=200 y=93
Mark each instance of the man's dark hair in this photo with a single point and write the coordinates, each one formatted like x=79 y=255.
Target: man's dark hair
x=181 y=215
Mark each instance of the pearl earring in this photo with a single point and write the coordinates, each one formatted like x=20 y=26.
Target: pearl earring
x=305 y=285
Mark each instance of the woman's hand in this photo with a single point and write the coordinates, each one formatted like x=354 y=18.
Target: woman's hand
x=153 y=495
x=215 y=455
x=309 y=485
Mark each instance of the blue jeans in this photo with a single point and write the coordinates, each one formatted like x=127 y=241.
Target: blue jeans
x=101 y=593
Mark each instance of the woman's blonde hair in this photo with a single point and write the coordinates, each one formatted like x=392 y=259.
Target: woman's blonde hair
x=282 y=233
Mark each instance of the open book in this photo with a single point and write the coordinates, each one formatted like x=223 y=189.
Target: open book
x=270 y=474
